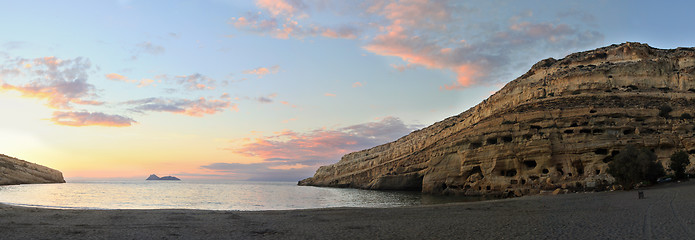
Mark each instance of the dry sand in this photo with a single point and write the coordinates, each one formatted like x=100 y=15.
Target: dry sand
x=667 y=212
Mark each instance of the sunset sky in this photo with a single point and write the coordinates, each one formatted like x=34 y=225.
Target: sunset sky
x=273 y=89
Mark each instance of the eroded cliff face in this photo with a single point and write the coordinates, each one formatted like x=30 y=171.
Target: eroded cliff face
x=16 y=171
x=558 y=125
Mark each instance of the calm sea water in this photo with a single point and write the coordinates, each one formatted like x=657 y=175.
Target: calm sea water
x=201 y=195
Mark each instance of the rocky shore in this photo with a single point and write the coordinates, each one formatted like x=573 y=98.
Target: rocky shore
x=666 y=212
x=16 y=171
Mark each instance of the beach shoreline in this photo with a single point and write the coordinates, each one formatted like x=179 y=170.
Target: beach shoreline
x=667 y=211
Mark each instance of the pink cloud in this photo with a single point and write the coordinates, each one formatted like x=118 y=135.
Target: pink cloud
x=61 y=82
x=329 y=94
x=117 y=77
x=426 y=33
x=322 y=146
x=81 y=119
x=283 y=22
x=262 y=71
x=196 y=81
x=141 y=83
x=357 y=84
x=277 y=7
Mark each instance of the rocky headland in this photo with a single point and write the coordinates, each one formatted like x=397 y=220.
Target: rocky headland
x=555 y=127
x=16 y=171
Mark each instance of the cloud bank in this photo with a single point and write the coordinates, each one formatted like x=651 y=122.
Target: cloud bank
x=291 y=155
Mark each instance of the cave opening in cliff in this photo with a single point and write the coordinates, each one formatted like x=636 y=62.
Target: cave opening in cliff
x=545 y=171
x=558 y=168
x=579 y=166
x=507 y=139
x=530 y=164
x=584 y=130
x=629 y=131
x=491 y=141
x=475 y=170
x=475 y=145
x=510 y=173
x=569 y=131
x=607 y=159
x=601 y=151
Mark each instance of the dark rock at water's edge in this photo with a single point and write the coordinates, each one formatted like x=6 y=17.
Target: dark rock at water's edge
x=155 y=177
x=554 y=129
x=16 y=171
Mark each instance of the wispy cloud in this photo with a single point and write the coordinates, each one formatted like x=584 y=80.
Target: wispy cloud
x=426 y=33
x=325 y=145
x=266 y=171
x=197 y=108
x=281 y=19
x=141 y=83
x=81 y=119
x=61 y=82
x=148 y=47
x=262 y=71
x=267 y=99
x=196 y=81
x=329 y=94
x=292 y=155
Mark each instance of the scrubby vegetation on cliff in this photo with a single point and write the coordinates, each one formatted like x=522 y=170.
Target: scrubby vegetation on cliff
x=634 y=165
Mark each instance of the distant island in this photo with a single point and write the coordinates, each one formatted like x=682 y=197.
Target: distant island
x=155 y=177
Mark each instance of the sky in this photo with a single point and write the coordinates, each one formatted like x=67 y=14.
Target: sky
x=273 y=89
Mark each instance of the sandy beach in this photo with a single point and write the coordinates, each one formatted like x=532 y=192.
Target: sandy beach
x=667 y=212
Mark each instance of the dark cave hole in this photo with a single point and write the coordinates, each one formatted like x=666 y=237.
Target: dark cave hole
x=530 y=164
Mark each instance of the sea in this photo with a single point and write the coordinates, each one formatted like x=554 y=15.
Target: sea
x=242 y=196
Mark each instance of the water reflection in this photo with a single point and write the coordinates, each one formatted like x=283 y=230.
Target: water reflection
x=211 y=196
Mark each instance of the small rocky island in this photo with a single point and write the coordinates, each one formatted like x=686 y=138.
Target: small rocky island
x=155 y=177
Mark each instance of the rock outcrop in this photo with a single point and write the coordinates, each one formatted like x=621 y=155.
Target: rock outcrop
x=557 y=126
x=16 y=171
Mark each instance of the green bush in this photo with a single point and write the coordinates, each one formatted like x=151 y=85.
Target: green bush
x=679 y=160
x=633 y=165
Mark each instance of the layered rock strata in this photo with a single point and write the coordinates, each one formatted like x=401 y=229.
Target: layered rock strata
x=16 y=171
x=556 y=126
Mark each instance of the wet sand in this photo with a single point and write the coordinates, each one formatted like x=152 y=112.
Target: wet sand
x=667 y=212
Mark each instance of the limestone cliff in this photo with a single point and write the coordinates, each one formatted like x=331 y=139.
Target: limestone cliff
x=557 y=125
x=16 y=171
